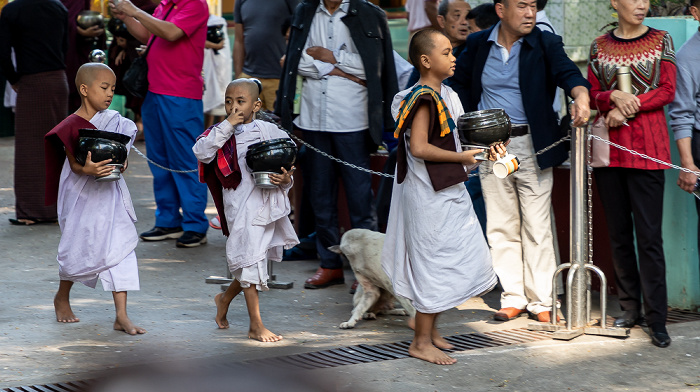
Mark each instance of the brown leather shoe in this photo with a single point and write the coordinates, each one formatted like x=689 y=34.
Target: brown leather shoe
x=506 y=314
x=545 y=317
x=325 y=277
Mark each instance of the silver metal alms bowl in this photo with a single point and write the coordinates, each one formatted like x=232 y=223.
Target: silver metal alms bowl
x=484 y=128
x=87 y=19
x=269 y=156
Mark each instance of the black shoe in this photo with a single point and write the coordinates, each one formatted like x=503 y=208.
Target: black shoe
x=190 y=239
x=628 y=320
x=161 y=233
x=660 y=339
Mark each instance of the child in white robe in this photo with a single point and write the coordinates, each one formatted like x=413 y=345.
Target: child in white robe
x=98 y=236
x=255 y=219
x=434 y=253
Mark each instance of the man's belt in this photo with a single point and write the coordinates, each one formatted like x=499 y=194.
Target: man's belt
x=519 y=130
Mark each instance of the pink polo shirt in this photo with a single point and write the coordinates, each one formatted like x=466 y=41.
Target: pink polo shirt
x=175 y=68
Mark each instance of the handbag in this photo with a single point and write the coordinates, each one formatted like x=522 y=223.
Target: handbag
x=135 y=78
x=600 y=151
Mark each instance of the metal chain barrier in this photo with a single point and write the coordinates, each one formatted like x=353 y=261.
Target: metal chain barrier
x=331 y=157
x=161 y=166
x=659 y=161
x=542 y=151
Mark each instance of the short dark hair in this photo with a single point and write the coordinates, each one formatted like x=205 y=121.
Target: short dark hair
x=421 y=43
x=484 y=15
x=695 y=3
x=443 y=6
x=541 y=4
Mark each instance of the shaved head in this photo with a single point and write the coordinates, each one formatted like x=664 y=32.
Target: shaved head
x=88 y=72
x=252 y=86
x=422 y=43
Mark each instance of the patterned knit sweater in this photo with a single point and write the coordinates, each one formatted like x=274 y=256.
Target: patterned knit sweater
x=652 y=61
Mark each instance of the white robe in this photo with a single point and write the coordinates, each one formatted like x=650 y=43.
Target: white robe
x=218 y=72
x=257 y=219
x=97 y=222
x=434 y=253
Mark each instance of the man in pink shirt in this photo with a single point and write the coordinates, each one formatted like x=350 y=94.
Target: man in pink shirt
x=172 y=112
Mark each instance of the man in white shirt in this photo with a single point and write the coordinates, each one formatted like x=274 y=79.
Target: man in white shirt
x=342 y=50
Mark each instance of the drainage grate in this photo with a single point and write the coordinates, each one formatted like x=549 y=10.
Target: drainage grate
x=365 y=353
x=71 y=386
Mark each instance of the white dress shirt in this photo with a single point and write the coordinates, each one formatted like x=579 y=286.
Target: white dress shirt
x=332 y=103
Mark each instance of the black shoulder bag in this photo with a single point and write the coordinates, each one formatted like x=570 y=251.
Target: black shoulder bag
x=135 y=78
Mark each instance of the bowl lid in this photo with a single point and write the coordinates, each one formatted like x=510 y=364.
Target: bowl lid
x=267 y=145
x=99 y=134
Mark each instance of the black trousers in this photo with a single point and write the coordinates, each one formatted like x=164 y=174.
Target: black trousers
x=695 y=146
x=323 y=176
x=633 y=199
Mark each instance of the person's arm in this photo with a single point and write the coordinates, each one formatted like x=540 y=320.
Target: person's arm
x=211 y=45
x=682 y=113
x=687 y=181
x=581 y=108
x=90 y=32
x=206 y=147
x=141 y=24
x=663 y=95
x=422 y=149
x=95 y=169
x=350 y=63
x=309 y=68
x=238 y=51
x=431 y=10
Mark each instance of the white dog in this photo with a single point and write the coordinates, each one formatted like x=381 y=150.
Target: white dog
x=374 y=294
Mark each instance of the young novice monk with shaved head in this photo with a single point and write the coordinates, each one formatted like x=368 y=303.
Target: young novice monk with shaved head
x=98 y=236
x=434 y=253
x=254 y=219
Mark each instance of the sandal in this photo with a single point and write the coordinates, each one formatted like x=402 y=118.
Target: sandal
x=214 y=223
x=30 y=221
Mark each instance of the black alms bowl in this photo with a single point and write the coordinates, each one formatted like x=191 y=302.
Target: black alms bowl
x=215 y=34
x=484 y=127
x=271 y=155
x=103 y=145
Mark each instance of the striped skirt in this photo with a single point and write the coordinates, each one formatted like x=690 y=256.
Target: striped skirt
x=42 y=103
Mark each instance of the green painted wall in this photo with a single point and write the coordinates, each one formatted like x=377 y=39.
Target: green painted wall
x=680 y=218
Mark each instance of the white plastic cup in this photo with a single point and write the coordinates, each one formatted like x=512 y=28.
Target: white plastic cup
x=505 y=166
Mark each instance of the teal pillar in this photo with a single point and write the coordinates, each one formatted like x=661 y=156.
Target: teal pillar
x=680 y=217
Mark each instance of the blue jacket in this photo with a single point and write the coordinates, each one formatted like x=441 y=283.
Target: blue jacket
x=543 y=66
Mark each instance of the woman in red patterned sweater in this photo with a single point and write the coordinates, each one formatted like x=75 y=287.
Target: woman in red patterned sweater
x=631 y=188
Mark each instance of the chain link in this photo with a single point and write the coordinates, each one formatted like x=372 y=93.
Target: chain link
x=639 y=154
x=331 y=157
x=590 y=199
x=161 y=166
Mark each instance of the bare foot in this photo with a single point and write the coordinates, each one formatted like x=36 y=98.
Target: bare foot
x=64 y=313
x=263 y=334
x=221 y=312
x=430 y=353
x=125 y=324
x=441 y=343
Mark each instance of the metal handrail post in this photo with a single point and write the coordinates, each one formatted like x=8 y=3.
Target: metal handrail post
x=579 y=225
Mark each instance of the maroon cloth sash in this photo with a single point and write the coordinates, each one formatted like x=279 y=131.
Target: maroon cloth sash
x=222 y=172
x=63 y=137
x=442 y=174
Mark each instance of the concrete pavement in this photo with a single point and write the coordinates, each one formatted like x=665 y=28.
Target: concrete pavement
x=176 y=306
